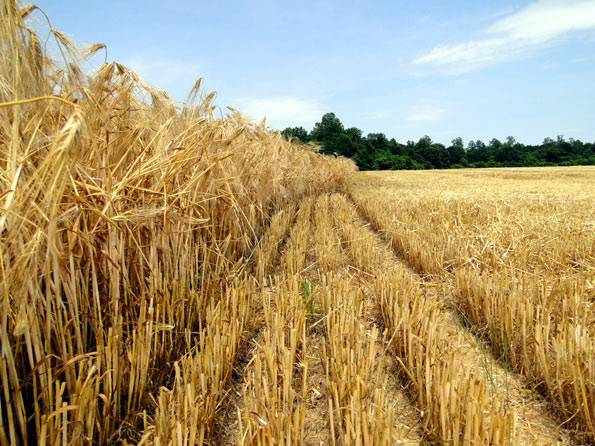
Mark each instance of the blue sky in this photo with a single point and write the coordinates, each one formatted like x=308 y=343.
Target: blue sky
x=465 y=68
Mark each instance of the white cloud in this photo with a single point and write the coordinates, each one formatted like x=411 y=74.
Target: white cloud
x=516 y=35
x=502 y=12
x=426 y=113
x=281 y=111
x=176 y=77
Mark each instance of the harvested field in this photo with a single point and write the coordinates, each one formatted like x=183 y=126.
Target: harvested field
x=172 y=278
x=517 y=248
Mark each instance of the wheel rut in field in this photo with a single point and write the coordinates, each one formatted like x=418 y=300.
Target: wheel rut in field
x=534 y=424
x=265 y=269
x=349 y=328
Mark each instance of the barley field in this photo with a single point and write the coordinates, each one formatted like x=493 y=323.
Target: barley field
x=169 y=277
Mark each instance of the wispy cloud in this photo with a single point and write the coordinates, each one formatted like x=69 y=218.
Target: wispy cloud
x=281 y=111
x=426 y=113
x=501 y=12
x=543 y=22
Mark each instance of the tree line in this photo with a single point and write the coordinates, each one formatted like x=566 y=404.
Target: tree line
x=376 y=152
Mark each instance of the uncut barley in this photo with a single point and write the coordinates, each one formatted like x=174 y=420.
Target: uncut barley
x=124 y=216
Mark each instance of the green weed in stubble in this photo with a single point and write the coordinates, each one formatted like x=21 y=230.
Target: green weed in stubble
x=307 y=292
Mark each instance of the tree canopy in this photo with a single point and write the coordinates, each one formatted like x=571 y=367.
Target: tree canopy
x=377 y=152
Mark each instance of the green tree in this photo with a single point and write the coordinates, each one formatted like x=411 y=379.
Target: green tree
x=364 y=160
x=378 y=141
x=376 y=151
x=495 y=145
x=344 y=145
x=296 y=132
x=477 y=151
x=355 y=134
x=456 y=151
x=509 y=152
x=552 y=151
x=437 y=155
x=327 y=130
